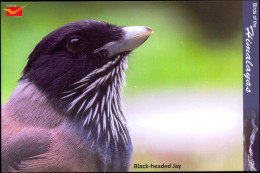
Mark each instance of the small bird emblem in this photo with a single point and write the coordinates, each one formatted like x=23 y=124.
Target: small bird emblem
x=65 y=114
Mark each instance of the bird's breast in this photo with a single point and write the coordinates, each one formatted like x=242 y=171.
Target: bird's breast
x=92 y=153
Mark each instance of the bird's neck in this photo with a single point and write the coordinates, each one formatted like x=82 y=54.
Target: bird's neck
x=95 y=101
x=29 y=105
x=95 y=104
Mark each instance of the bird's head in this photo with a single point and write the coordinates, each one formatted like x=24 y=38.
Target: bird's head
x=83 y=62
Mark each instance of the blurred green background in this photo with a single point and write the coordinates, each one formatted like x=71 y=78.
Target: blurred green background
x=196 y=46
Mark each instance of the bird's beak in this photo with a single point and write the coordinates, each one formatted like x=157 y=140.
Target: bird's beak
x=133 y=37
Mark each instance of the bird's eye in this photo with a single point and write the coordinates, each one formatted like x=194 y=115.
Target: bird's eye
x=75 y=45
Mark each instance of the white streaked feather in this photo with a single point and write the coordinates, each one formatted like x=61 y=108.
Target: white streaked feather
x=88 y=134
x=88 y=117
x=91 y=102
x=122 y=129
x=81 y=106
x=108 y=136
x=108 y=93
x=113 y=71
x=84 y=84
x=68 y=95
x=97 y=121
x=104 y=121
x=95 y=112
x=65 y=92
x=112 y=125
x=106 y=78
x=98 y=131
x=103 y=102
x=111 y=99
x=117 y=70
x=103 y=68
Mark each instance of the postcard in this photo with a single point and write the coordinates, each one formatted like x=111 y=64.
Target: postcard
x=98 y=86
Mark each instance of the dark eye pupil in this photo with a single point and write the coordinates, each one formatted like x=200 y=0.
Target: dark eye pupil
x=75 y=45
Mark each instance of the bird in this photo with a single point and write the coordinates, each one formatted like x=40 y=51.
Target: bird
x=65 y=114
